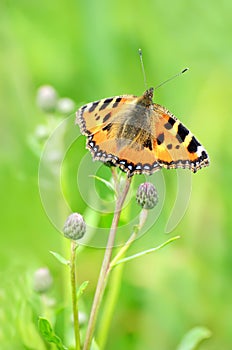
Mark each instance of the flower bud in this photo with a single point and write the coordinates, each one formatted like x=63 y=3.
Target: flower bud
x=47 y=98
x=42 y=280
x=65 y=105
x=74 y=227
x=147 y=196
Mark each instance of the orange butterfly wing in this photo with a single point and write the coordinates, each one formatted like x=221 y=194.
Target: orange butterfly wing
x=138 y=136
x=175 y=146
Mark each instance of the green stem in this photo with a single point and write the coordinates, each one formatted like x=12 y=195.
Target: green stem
x=105 y=266
x=126 y=246
x=115 y=284
x=74 y=295
x=123 y=250
x=109 y=305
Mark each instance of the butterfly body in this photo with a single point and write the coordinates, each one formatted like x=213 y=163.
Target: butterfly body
x=139 y=136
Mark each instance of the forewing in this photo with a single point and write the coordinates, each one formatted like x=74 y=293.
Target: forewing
x=174 y=145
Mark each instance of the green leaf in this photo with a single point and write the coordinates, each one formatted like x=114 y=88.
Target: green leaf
x=60 y=258
x=193 y=338
x=49 y=335
x=144 y=252
x=81 y=289
x=107 y=183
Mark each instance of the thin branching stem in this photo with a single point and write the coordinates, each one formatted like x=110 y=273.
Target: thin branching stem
x=126 y=246
x=105 y=266
x=123 y=250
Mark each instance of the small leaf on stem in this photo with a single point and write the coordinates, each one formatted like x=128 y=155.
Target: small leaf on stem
x=105 y=182
x=60 y=258
x=49 y=335
x=82 y=288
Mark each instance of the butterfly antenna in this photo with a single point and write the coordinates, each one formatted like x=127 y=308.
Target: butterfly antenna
x=173 y=77
x=143 y=70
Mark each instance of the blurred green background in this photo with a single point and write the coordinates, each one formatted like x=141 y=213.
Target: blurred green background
x=88 y=50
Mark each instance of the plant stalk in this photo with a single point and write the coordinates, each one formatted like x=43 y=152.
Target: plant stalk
x=126 y=246
x=105 y=266
x=115 y=284
x=74 y=295
x=109 y=305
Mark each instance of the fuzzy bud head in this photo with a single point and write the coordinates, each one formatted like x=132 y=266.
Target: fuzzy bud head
x=47 y=98
x=147 y=196
x=74 y=227
x=42 y=280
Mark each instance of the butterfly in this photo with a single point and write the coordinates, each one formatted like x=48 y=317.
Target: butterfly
x=139 y=136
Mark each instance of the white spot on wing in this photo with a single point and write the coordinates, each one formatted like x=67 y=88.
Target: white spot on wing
x=200 y=149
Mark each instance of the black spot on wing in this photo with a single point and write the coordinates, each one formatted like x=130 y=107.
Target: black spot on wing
x=107 y=127
x=193 y=144
x=160 y=139
x=106 y=102
x=106 y=117
x=204 y=155
x=170 y=123
x=169 y=146
x=94 y=105
x=182 y=132
x=118 y=100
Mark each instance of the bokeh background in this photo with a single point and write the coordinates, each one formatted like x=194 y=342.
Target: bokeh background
x=88 y=50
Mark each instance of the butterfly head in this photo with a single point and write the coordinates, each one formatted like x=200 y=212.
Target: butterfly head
x=147 y=97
